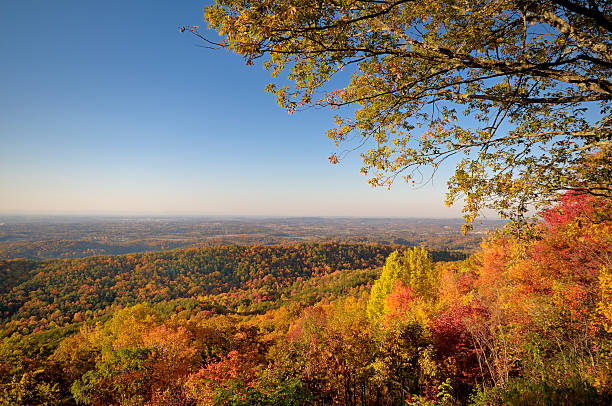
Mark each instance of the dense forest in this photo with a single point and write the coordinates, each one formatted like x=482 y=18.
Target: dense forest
x=525 y=320
x=242 y=279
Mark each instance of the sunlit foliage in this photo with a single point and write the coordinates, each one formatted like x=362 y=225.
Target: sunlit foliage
x=524 y=73
x=522 y=321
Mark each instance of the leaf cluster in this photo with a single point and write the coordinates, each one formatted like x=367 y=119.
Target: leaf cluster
x=529 y=76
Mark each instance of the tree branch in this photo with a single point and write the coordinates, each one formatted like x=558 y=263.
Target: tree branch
x=597 y=16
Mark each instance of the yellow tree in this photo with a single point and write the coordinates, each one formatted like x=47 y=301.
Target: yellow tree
x=532 y=76
x=414 y=267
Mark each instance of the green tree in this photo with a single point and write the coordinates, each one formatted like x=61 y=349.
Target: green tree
x=533 y=76
x=413 y=267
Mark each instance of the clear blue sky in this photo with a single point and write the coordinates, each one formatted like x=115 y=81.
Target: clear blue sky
x=105 y=108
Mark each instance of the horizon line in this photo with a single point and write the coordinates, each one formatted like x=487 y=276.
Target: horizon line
x=224 y=216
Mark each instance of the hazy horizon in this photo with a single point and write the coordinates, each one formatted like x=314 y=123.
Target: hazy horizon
x=132 y=216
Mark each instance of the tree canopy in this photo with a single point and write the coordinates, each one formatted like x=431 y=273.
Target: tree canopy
x=532 y=78
x=522 y=321
x=413 y=268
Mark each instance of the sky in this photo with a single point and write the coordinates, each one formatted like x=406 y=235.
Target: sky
x=107 y=109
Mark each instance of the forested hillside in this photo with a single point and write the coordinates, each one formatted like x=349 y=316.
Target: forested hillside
x=526 y=320
x=37 y=295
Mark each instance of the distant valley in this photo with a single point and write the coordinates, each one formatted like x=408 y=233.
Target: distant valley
x=76 y=237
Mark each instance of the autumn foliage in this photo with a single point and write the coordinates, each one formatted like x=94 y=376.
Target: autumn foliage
x=522 y=321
